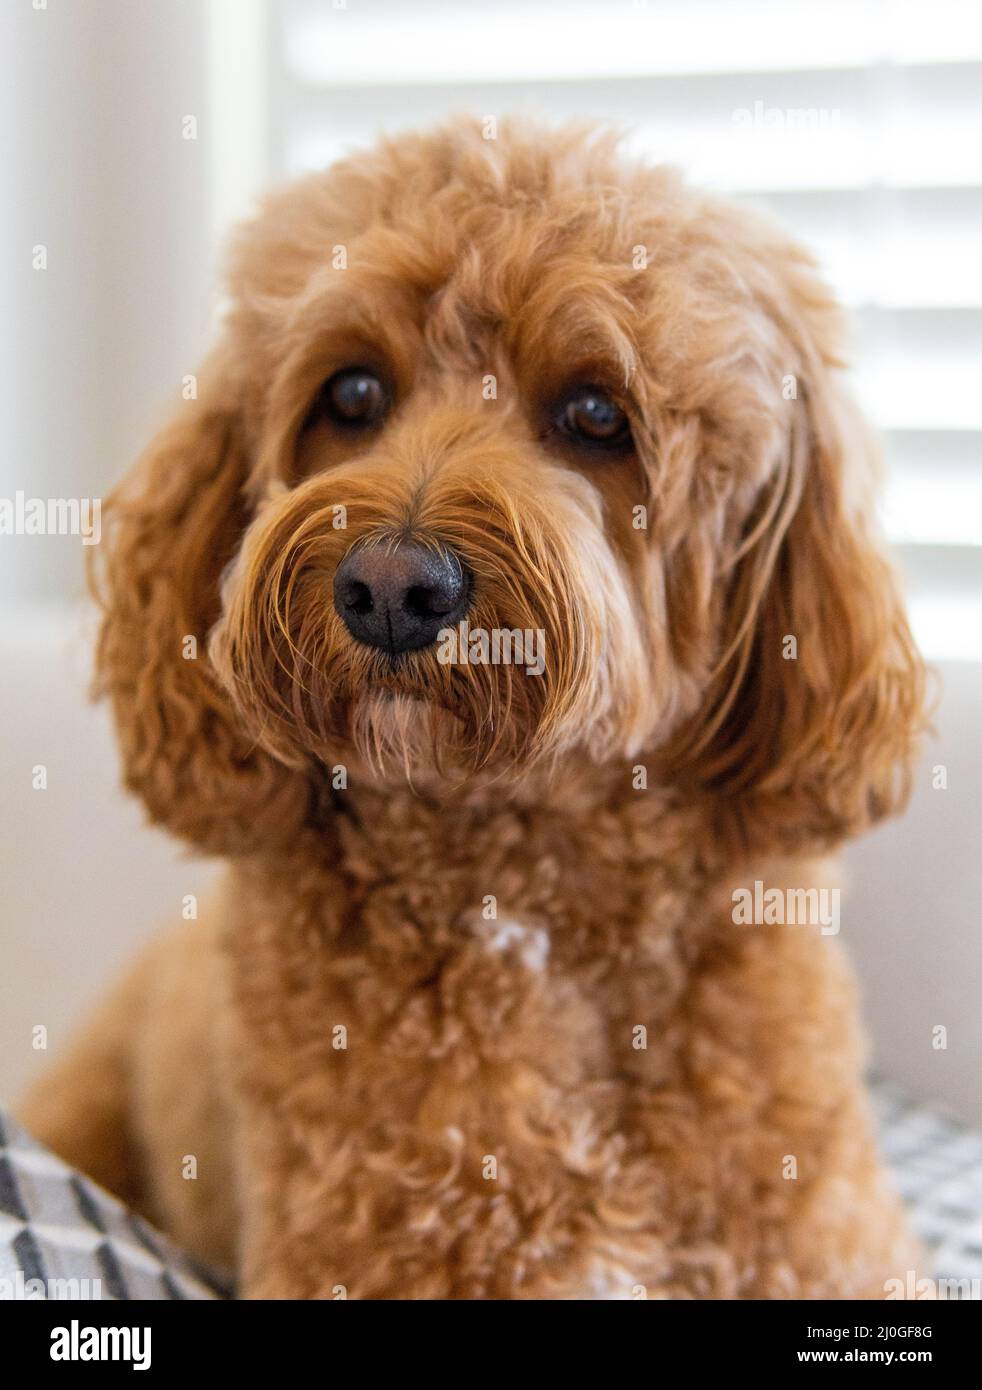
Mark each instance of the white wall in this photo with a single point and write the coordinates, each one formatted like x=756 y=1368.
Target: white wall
x=83 y=882
x=94 y=167
x=912 y=914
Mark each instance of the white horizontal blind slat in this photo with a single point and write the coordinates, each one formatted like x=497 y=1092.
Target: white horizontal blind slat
x=543 y=40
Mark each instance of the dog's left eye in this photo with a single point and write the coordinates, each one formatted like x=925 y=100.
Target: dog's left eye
x=355 y=397
x=591 y=416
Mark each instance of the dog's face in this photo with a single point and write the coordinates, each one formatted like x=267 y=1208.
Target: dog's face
x=510 y=456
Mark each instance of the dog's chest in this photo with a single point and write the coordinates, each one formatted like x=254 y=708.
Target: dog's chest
x=487 y=1027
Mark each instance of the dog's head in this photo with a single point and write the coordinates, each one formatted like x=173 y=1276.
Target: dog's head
x=511 y=454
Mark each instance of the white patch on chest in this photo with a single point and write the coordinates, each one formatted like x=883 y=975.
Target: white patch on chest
x=610 y=1282
x=530 y=943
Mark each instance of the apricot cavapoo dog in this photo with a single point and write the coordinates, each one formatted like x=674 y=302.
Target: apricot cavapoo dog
x=504 y=610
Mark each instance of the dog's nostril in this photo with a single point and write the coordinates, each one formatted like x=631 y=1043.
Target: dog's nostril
x=357 y=597
x=425 y=602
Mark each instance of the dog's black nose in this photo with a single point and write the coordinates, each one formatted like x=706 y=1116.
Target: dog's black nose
x=398 y=597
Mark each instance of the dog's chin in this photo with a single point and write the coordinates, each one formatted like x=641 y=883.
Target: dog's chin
x=398 y=736
x=394 y=738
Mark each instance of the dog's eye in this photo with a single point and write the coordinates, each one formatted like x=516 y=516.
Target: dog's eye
x=591 y=416
x=355 y=396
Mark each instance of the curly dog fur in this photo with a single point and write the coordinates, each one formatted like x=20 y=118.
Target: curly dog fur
x=470 y=1016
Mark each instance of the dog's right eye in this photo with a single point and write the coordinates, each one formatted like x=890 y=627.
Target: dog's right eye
x=354 y=397
x=591 y=418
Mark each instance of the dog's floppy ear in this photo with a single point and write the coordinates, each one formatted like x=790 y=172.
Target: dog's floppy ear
x=170 y=528
x=812 y=723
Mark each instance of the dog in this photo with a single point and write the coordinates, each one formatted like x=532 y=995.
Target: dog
x=473 y=1013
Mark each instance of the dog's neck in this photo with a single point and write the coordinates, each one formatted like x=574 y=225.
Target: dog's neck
x=398 y=873
x=566 y=802
x=575 y=788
